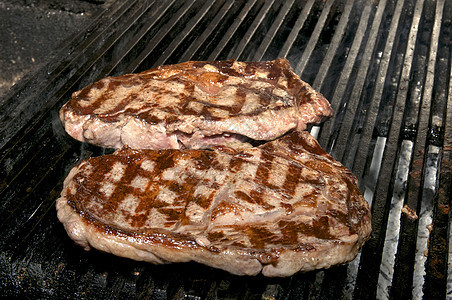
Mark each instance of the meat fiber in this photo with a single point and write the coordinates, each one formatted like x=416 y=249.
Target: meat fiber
x=194 y=105
x=283 y=207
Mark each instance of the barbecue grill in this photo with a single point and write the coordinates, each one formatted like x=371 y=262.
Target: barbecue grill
x=384 y=65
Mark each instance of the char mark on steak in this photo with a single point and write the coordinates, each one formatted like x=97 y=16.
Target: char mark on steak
x=280 y=208
x=196 y=104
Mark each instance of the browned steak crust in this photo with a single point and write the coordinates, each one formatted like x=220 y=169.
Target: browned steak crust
x=279 y=208
x=195 y=104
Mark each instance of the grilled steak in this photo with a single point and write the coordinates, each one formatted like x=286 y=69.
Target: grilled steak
x=283 y=207
x=194 y=105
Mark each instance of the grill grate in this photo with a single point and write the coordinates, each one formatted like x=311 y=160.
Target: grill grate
x=384 y=65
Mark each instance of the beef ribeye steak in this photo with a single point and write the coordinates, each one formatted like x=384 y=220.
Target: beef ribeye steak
x=194 y=105
x=283 y=207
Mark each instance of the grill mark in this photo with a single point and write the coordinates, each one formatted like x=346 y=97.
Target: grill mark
x=90 y=186
x=291 y=230
x=128 y=81
x=292 y=179
x=97 y=179
x=122 y=189
x=261 y=178
x=83 y=96
x=259 y=237
x=318 y=228
x=113 y=84
x=206 y=160
x=293 y=81
x=354 y=210
x=148 y=200
x=274 y=70
x=189 y=87
x=183 y=107
x=225 y=67
x=260 y=110
x=299 y=143
x=112 y=114
x=240 y=95
x=266 y=97
x=235 y=164
x=208 y=114
x=173 y=214
x=185 y=190
x=166 y=159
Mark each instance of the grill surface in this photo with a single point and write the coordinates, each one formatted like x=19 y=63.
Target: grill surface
x=385 y=67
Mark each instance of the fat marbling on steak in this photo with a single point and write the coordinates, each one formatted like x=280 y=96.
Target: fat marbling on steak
x=194 y=105
x=283 y=207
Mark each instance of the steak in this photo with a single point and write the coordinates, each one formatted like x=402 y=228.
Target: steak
x=283 y=207
x=196 y=104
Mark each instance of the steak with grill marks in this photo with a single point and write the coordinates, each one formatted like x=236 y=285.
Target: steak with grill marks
x=194 y=105
x=283 y=207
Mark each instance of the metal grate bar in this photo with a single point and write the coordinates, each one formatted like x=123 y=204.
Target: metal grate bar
x=353 y=99
x=332 y=49
x=389 y=159
x=345 y=76
x=436 y=267
x=251 y=30
x=314 y=38
x=183 y=34
x=151 y=20
x=296 y=29
x=273 y=30
x=403 y=273
x=443 y=202
x=227 y=37
x=372 y=111
x=152 y=44
x=366 y=283
x=191 y=50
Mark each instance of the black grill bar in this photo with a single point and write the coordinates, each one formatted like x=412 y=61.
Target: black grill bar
x=263 y=11
x=180 y=37
x=386 y=68
x=437 y=272
x=436 y=267
x=232 y=29
x=345 y=76
x=128 y=37
x=194 y=47
x=403 y=278
x=372 y=109
x=389 y=160
x=270 y=36
x=333 y=47
x=299 y=67
x=386 y=179
x=296 y=29
x=159 y=36
x=95 y=68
